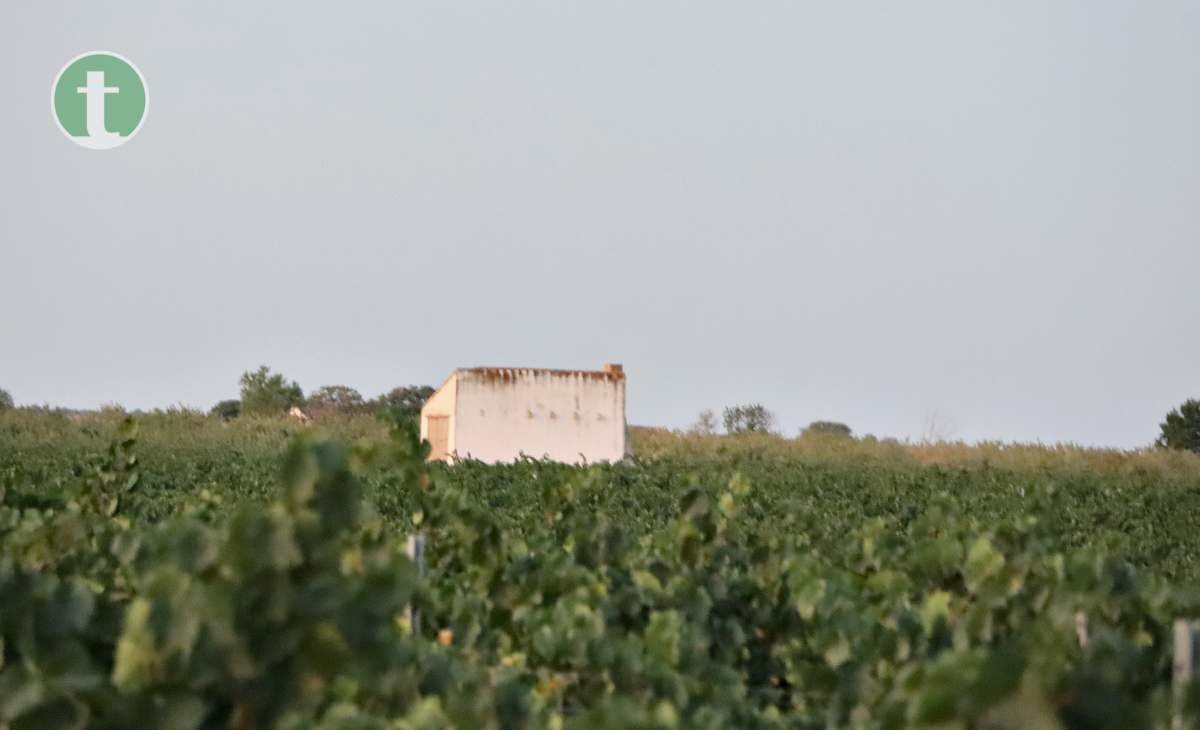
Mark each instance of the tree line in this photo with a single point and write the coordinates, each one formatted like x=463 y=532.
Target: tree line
x=266 y=393
x=1179 y=430
x=755 y=418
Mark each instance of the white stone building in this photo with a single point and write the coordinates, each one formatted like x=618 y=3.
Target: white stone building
x=499 y=414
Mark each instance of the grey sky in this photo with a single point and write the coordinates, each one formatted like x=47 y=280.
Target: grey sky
x=868 y=212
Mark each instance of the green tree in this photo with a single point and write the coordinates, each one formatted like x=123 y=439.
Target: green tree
x=1181 y=429
x=831 y=428
x=335 y=399
x=6 y=400
x=402 y=402
x=751 y=418
x=227 y=410
x=267 y=393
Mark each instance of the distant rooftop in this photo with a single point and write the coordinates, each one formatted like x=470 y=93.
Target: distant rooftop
x=611 y=371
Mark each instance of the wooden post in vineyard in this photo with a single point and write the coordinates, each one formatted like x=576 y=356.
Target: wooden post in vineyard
x=1182 y=667
x=416 y=552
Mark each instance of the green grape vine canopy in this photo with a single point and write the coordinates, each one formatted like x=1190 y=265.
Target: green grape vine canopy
x=188 y=593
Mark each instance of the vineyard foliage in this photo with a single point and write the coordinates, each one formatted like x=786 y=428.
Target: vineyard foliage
x=182 y=572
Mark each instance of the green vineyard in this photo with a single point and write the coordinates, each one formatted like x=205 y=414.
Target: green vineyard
x=178 y=572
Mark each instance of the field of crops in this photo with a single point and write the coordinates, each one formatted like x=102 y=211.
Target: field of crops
x=180 y=572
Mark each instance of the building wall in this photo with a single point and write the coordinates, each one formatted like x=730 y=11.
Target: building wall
x=567 y=416
x=441 y=403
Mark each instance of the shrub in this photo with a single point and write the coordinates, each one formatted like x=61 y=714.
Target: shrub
x=227 y=410
x=267 y=393
x=330 y=399
x=6 y=400
x=402 y=402
x=752 y=418
x=830 y=428
x=1181 y=429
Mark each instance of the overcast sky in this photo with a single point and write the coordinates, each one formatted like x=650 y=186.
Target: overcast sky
x=873 y=212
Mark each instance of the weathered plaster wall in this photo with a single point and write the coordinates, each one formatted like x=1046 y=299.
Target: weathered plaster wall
x=569 y=416
x=441 y=403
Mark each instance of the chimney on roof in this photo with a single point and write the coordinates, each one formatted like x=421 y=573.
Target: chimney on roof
x=614 y=368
